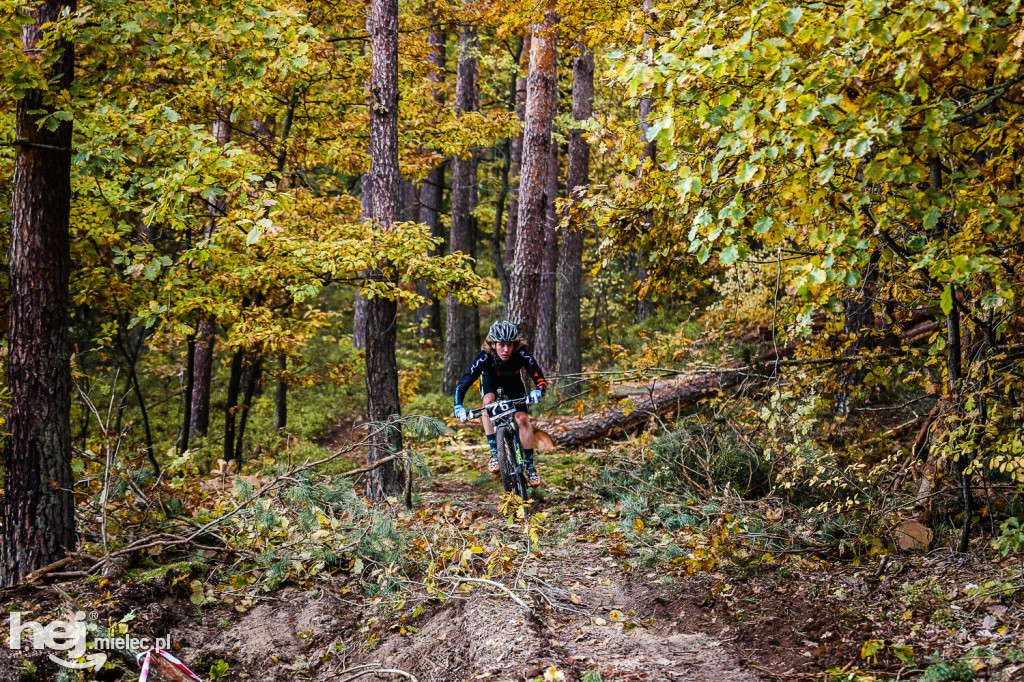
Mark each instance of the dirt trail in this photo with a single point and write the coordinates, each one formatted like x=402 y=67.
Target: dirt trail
x=586 y=615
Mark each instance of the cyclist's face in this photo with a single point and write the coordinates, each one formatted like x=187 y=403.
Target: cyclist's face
x=504 y=349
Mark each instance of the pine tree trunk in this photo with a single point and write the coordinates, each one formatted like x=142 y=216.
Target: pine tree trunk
x=570 y=255
x=428 y=316
x=460 y=323
x=515 y=168
x=546 y=311
x=39 y=509
x=540 y=111
x=497 y=242
x=381 y=313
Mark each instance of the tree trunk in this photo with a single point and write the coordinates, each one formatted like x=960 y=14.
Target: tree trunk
x=281 y=396
x=460 y=323
x=234 y=385
x=428 y=316
x=540 y=111
x=546 y=310
x=39 y=509
x=644 y=304
x=202 y=374
x=186 y=418
x=206 y=331
x=515 y=164
x=252 y=373
x=381 y=313
x=570 y=256
x=497 y=252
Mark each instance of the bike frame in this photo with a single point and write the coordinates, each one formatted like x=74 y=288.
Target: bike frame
x=503 y=415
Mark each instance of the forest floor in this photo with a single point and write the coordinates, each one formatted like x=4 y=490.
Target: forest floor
x=590 y=607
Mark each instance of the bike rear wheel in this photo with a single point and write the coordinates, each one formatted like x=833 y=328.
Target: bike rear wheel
x=513 y=479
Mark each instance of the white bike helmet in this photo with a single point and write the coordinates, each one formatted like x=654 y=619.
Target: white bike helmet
x=503 y=331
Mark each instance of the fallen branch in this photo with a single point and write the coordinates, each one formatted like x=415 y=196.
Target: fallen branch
x=490 y=583
x=379 y=462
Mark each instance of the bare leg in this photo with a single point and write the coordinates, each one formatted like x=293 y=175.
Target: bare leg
x=525 y=430
x=486 y=418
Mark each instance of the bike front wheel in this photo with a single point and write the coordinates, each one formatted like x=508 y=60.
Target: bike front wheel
x=513 y=479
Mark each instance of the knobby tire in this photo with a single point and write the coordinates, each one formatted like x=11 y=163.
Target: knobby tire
x=512 y=482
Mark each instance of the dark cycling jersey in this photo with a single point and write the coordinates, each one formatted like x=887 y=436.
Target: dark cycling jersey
x=485 y=362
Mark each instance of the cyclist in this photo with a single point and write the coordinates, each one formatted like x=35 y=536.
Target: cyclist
x=498 y=364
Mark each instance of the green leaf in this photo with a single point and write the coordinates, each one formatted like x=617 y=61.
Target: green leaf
x=947 y=299
x=729 y=255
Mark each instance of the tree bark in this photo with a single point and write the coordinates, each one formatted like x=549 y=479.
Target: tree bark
x=460 y=323
x=428 y=316
x=497 y=242
x=381 y=313
x=540 y=111
x=515 y=168
x=546 y=306
x=570 y=256
x=39 y=509
x=202 y=374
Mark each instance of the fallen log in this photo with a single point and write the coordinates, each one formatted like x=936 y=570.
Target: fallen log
x=618 y=419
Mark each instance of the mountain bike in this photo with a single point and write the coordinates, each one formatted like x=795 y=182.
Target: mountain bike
x=510 y=451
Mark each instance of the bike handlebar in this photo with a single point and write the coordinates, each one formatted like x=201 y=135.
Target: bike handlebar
x=477 y=411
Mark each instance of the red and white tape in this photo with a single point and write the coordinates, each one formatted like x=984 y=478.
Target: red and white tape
x=144 y=673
